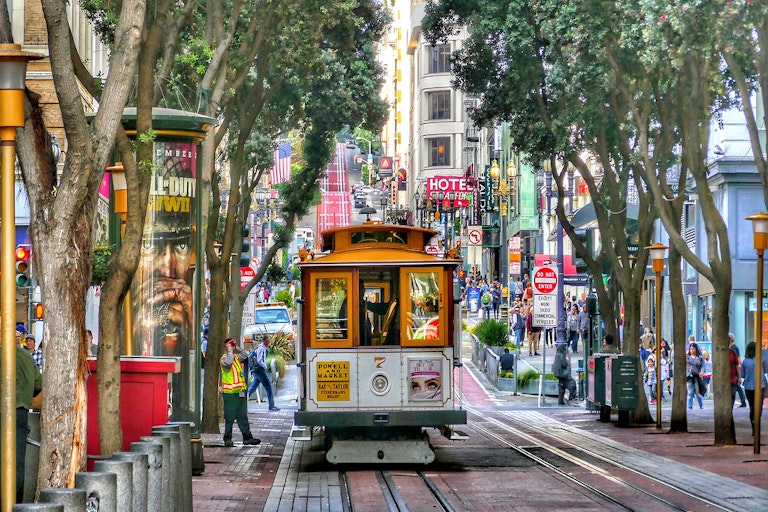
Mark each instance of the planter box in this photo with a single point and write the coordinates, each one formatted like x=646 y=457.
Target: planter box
x=496 y=350
x=550 y=388
x=507 y=384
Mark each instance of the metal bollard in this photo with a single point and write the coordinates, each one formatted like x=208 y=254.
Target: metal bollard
x=140 y=463
x=38 y=507
x=184 y=429
x=154 y=452
x=100 y=490
x=175 y=473
x=167 y=470
x=124 y=471
x=73 y=500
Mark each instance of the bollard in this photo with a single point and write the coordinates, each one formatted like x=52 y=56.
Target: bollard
x=124 y=471
x=184 y=429
x=100 y=490
x=140 y=463
x=73 y=500
x=198 y=457
x=177 y=474
x=38 y=507
x=167 y=469
x=154 y=452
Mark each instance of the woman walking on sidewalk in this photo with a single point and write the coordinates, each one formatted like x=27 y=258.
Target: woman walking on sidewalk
x=693 y=380
x=748 y=375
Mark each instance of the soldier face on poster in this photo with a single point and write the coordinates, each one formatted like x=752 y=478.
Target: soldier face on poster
x=162 y=288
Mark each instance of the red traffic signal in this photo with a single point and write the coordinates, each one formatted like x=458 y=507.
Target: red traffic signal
x=22 y=266
x=39 y=311
x=22 y=253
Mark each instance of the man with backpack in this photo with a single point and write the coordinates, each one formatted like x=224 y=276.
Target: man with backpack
x=485 y=301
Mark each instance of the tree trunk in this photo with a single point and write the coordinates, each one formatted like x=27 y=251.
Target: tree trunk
x=631 y=346
x=216 y=336
x=725 y=429
x=678 y=420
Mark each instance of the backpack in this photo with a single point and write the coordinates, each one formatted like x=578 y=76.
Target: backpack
x=486 y=298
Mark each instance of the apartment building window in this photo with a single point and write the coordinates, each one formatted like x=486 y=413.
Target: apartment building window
x=439 y=151
x=439 y=104
x=439 y=61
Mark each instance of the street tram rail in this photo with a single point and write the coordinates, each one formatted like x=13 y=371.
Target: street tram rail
x=401 y=490
x=520 y=431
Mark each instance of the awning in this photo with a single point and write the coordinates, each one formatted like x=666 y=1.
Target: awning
x=568 y=267
x=585 y=218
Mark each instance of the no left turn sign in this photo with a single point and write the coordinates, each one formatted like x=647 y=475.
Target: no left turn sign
x=475 y=237
x=545 y=280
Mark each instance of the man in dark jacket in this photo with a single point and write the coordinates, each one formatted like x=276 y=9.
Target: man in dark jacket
x=561 y=368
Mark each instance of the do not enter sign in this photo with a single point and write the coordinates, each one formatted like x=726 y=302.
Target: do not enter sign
x=545 y=280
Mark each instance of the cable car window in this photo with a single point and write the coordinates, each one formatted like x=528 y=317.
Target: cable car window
x=332 y=310
x=424 y=321
x=390 y=237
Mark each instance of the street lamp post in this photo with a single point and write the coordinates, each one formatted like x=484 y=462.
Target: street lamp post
x=369 y=160
x=13 y=72
x=760 y=240
x=657 y=258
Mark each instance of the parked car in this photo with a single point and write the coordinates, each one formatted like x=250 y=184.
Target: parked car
x=360 y=200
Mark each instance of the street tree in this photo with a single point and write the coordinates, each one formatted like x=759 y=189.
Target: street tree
x=261 y=81
x=523 y=61
x=62 y=212
x=670 y=89
x=742 y=38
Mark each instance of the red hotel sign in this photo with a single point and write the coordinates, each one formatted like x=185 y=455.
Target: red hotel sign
x=447 y=184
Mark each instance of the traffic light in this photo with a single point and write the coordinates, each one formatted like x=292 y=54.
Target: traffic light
x=39 y=311
x=462 y=273
x=245 y=252
x=22 y=266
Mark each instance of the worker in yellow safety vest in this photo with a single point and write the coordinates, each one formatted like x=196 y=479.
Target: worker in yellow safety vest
x=233 y=387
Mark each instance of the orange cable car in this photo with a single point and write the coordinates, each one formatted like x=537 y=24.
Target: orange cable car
x=379 y=337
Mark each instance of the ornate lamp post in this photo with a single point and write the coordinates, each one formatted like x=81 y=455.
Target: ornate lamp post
x=13 y=73
x=760 y=240
x=657 y=257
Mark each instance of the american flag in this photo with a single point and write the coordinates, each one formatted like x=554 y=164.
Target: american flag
x=281 y=170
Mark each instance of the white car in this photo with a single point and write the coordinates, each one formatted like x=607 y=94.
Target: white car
x=269 y=319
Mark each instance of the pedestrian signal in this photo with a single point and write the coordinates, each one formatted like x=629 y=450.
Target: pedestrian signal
x=22 y=266
x=39 y=311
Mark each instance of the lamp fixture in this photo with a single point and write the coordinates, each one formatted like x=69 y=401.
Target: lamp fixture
x=494 y=170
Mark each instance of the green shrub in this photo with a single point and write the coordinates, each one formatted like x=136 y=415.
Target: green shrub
x=280 y=362
x=511 y=345
x=284 y=296
x=526 y=377
x=492 y=333
x=506 y=374
x=280 y=345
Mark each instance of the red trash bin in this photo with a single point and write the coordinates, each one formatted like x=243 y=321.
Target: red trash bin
x=145 y=397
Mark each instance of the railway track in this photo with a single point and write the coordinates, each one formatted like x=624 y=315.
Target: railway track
x=394 y=490
x=597 y=474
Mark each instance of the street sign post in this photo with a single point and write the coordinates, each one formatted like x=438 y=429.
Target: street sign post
x=545 y=310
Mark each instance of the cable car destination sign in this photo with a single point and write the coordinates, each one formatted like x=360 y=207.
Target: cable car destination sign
x=545 y=308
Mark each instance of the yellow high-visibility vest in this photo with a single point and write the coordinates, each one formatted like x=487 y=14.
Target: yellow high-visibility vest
x=232 y=380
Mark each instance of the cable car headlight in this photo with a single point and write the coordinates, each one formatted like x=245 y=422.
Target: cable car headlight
x=380 y=384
